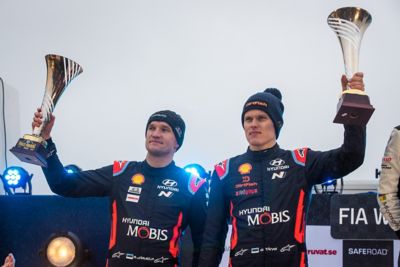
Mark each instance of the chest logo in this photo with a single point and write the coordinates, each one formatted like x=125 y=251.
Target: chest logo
x=138 y=179
x=245 y=168
x=277 y=162
x=169 y=182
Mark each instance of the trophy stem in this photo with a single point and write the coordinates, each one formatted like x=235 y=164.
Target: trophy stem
x=47 y=108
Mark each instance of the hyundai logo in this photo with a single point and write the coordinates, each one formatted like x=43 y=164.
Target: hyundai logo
x=277 y=162
x=169 y=182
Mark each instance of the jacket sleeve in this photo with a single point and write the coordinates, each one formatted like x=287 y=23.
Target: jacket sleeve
x=197 y=218
x=216 y=225
x=388 y=188
x=81 y=184
x=338 y=162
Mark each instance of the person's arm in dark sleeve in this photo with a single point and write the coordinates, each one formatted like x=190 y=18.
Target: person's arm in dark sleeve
x=81 y=184
x=197 y=219
x=338 y=162
x=216 y=225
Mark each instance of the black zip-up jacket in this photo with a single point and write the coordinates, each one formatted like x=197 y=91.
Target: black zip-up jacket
x=150 y=207
x=265 y=196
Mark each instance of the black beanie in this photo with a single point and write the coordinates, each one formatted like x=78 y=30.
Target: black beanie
x=270 y=102
x=173 y=120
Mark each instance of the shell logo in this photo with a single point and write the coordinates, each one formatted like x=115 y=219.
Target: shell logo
x=245 y=168
x=138 y=179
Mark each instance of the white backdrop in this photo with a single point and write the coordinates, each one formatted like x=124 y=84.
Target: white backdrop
x=200 y=58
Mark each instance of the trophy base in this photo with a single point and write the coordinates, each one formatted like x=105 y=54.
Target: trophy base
x=31 y=149
x=354 y=109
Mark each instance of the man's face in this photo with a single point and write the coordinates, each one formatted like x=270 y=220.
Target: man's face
x=160 y=139
x=259 y=130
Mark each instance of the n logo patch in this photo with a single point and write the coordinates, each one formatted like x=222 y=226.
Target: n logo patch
x=280 y=174
x=165 y=194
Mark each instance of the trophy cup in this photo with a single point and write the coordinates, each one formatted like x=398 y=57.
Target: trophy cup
x=349 y=24
x=60 y=72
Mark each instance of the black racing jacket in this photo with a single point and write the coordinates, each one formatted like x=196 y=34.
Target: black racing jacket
x=265 y=196
x=150 y=207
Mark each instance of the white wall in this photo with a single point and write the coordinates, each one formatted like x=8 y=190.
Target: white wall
x=200 y=58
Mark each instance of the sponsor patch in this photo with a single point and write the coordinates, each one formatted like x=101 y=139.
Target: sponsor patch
x=287 y=248
x=280 y=175
x=170 y=182
x=240 y=252
x=165 y=194
x=245 y=168
x=241 y=185
x=132 y=198
x=246 y=192
x=135 y=190
x=277 y=164
x=138 y=179
x=387 y=159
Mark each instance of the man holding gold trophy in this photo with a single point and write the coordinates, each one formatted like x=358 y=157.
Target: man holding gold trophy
x=152 y=201
x=265 y=192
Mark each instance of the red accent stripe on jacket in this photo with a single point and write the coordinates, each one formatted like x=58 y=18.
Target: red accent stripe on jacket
x=113 y=234
x=300 y=219
x=234 y=237
x=173 y=243
x=222 y=169
x=119 y=167
x=303 y=260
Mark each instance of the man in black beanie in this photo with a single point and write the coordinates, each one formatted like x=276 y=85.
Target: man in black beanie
x=265 y=192
x=152 y=201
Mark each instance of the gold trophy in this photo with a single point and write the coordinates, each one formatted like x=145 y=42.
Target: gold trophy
x=60 y=72
x=349 y=24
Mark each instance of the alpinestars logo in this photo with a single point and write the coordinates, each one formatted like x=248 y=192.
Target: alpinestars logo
x=288 y=247
x=118 y=254
x=240 y=252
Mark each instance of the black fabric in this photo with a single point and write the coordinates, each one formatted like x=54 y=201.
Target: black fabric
x=270 y=102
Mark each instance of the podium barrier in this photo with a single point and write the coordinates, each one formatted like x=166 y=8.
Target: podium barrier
x=26 y=222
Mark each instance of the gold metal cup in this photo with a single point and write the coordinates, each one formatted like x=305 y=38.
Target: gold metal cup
x=60 y=72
